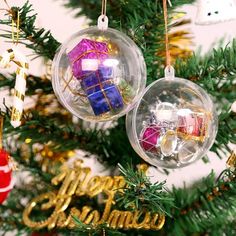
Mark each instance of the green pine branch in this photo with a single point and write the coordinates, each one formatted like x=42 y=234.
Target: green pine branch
x=209 y=205
x=84 y=230
x=195 y=213
x=115 y=146
x=142 y=195
x=38 y=39
x=215 y=73
x=34 y=182
x=64 y=137
x=141 y=20
x=35 y=84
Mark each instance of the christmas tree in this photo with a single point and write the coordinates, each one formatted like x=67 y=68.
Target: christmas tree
x=56 y=192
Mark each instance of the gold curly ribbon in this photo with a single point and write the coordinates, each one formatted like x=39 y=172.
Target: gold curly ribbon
x=76 y=183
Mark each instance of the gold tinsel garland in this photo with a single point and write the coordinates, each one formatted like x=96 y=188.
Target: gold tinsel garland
x=180 y=41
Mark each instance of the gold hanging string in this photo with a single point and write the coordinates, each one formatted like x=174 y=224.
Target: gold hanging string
x=1 y=132
x=168 y=58
x=15 y=26
x=15 y=22
x=104 y=7
x=103 y=19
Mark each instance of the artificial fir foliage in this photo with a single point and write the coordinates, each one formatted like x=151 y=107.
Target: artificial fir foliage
x=141 y=194
x=40 y=40
x=207 y=208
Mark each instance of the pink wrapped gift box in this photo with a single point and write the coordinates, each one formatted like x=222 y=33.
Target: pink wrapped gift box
x=193 y=125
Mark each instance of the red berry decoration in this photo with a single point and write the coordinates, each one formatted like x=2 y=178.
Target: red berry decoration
x=6 y=182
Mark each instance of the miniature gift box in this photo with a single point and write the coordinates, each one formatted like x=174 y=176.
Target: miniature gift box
x=150 y=137
x=86 y=60
x=192 y=125
x=102 y=93
x=87 y=55
x=153 y=140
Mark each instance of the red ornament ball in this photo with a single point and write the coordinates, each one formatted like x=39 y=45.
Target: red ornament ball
x=6 y=183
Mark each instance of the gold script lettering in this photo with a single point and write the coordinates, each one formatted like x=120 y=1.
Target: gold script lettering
x=76 y=183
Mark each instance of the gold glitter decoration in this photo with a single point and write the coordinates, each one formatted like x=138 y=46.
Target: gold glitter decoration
x=48 y=105
x=180 y=41
x=50 y=160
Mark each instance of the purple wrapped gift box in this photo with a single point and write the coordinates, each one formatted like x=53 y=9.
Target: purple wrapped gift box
x=86 y=60
x=87 y=51
x=91 y=78
x=102 y=93
x=106 y=99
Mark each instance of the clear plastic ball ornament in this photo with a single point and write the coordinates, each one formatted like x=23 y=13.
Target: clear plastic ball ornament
x=174 y=123
x=98 y=74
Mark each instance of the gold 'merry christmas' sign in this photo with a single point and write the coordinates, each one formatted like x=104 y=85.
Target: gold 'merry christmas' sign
x=76 y=183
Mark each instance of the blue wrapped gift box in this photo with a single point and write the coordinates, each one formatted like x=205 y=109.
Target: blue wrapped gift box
x=102 y=93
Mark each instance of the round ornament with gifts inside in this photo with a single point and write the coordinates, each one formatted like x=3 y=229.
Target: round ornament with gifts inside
x=173 y=124
x=99 y=74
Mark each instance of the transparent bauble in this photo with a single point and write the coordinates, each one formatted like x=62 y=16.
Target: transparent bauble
x=173 y=124
x=99 y=75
